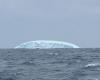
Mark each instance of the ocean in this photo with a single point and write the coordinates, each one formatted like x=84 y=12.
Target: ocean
x=50 y=64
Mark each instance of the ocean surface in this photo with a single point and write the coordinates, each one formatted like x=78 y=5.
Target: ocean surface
x=50 y=64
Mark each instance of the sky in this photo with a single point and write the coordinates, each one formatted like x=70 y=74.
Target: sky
x=73 y=21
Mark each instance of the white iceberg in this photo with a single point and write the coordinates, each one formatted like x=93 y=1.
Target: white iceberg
x=46 y=44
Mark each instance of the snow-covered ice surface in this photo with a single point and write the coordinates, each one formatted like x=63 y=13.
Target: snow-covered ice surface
x=46 y=44
x=50 y=64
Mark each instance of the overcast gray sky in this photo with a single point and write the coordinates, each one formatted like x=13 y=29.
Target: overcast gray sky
x=74 y=21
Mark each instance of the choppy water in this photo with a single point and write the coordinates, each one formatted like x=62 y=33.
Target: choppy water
x=50 y=64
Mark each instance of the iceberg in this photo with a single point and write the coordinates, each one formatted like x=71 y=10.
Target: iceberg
x=46 y=44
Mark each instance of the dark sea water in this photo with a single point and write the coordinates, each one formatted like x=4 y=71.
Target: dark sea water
x=50 y=64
